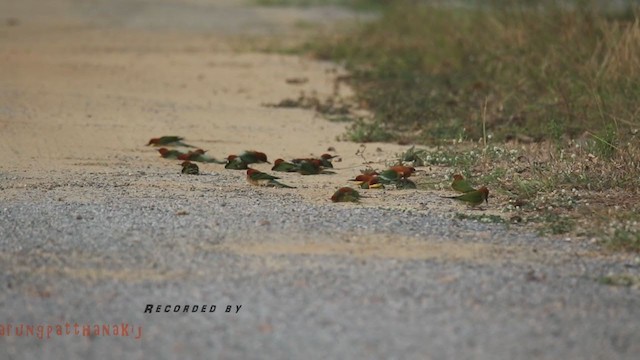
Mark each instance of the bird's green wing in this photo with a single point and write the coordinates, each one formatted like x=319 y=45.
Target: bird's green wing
x=275 y=183
x=462 y=186
x=263 y=176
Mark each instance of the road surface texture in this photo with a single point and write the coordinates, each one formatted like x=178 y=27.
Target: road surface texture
x=96 y=228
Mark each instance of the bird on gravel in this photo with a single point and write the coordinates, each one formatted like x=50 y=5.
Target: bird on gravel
x=346 y=194
x=190 y=168
x=389 y=176
x=312 y=167
x=256 y=177
x=170 y=154
x=473 y=198
x=253 y=157
x=325 y=160
x=397 y=175
x=168 y=141
x=284 y=166
x=368 y=181
x=235 y=163
x=364 y=177
x=372 y=183
x=403 y=171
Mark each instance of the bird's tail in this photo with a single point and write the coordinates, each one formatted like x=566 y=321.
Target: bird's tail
x=277 y=184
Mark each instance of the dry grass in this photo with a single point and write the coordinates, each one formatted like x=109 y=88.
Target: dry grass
x=568 y=191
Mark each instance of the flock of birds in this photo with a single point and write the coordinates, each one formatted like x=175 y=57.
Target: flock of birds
x=397 y=175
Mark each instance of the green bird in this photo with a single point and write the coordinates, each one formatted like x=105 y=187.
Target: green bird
x=461 y=185
x=256 y=177
x=190 y=168
x=235 y=163
x=373 y=184
x=313 y=167
x=283 y=166
x=326 y=160
x=253 y=157
x=389 y=176
x=170 y=154
x=397 y=175
x=473 y=198
x=346 y=194
x=168 y=141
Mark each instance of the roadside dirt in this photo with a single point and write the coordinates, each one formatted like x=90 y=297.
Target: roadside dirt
x=83 y=97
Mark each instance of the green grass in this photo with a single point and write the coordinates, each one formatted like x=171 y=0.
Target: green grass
x=427 y=72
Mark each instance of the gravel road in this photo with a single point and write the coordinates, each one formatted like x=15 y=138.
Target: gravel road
x=291 y=275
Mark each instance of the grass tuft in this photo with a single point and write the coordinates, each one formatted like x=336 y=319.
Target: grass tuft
x=363 y=131
x=624 y=239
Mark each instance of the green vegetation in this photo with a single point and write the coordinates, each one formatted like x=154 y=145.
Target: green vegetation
x=619 y=280
x=568 y=191
x=539 y=103
x=433 y=73
x=485 y=218
x=624 y=238
x=361 y=131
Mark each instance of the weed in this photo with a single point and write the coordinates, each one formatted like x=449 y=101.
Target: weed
x=331 y=108
x=366 y=131
x=605 y=142
x=485 y=218
x=624 y=239
x=557 y=224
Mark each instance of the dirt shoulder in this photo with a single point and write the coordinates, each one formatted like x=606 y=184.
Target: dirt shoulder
x=82 y=97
